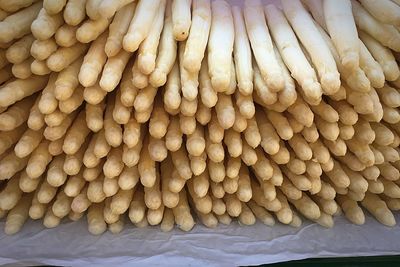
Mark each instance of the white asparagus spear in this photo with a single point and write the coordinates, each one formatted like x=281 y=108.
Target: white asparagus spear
x=384 y=10
x=317 y=10
x=291 y=53
x=220 y=45
x=386 y=34
x=148 y=49
x=167 y=51
x=371 y=67
x=140 y=25
x=108 y=8
x=355 y=79
x=118 y=28
x=342 y=29
x=242 y=54
x=306 y=30
x=199 y=31
x=181 y=18
x=383 y=55
x=261 y=45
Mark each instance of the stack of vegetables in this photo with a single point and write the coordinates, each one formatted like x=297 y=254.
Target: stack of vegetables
x=171 y=112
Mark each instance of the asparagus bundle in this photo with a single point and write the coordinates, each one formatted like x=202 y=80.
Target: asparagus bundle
x=168 y=112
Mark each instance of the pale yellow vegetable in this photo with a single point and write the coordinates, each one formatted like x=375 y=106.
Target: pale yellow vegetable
x=310 y=37
x=67 y=81
x=15 y=5
x=113 y=70
x=372 y=69
x=41 y=50
x=108 y=8
x=17 y=114
x=46 y=25
x=181 y=18
x=167 y=52
x=148 y=48
x=19 y=89
x=189 y=80
x=291 y=53
x=19 y=23
x=91 y=29
x=140 y=25
x=386 y=34
x=64 y=56
x=385 y=11
x=118 y=28
x=54 y=6
x=317 y=10
x=93 y=62
x=342 y=29
x=18 y=215
x=242 y=53
x=92 y=8
x=261 y=44
x=74 y=12
x=382 y=55
x=20 y=50
x=196 y=42
x=220 y=45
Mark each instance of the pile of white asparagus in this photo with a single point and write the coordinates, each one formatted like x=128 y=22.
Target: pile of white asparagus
x=172 y=112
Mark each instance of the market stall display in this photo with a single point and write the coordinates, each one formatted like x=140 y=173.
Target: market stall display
x=164 y=112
